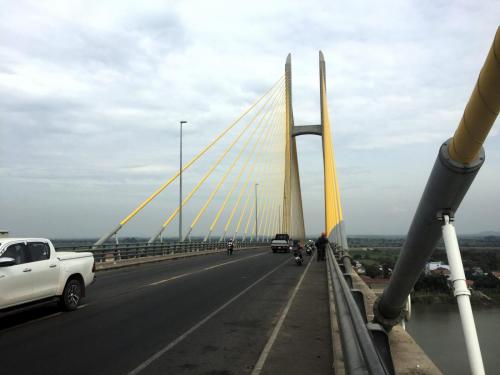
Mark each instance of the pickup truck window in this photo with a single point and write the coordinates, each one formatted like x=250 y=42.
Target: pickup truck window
x=18 y=252
x=38 y=251
x=282 y=237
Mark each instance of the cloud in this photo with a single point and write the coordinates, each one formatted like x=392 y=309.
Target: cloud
x=91 y=95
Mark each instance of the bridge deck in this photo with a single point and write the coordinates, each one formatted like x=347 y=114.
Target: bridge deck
x=207 y=314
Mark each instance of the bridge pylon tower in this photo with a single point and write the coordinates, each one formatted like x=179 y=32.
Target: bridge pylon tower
x=293 y=215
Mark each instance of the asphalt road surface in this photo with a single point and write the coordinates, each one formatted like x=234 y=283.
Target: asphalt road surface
x=202 y=315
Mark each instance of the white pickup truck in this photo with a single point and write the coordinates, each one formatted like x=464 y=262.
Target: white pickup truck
x=281 y=242
x=31 y=271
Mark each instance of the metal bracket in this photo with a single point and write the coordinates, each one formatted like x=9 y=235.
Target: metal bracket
x=381 y=341
x=360 y=301
x=387 y=323
x=348 y=279
x=445 y=212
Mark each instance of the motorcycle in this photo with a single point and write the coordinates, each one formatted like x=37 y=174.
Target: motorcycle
x=297 y=257
x=308 y=251
x=230 y=248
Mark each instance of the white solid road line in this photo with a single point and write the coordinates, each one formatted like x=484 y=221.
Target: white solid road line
x=267 y=349
x=171 y=278
x=204 y=269
x=172 y=344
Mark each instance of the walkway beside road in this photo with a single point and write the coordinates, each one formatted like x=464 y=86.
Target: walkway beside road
x=303 y=344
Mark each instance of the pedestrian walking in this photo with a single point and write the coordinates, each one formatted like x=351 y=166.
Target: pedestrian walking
x=321 y=245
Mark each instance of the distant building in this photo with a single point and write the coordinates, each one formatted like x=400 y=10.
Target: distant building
x=442 y=270
x=437 y=266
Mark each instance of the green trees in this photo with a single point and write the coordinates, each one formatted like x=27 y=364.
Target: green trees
x=373 y=270
x=432 y=283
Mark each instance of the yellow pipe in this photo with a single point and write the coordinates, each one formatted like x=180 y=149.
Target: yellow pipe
x=195 y=158
x=481 y=110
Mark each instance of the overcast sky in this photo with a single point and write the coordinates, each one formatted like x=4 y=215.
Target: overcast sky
x=91 y=94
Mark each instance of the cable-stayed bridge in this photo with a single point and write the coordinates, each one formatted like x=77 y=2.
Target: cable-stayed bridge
x=260 y=151
x=208 y=314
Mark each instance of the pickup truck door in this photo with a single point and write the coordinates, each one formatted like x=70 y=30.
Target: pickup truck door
x=44 y=269
x=16 y=282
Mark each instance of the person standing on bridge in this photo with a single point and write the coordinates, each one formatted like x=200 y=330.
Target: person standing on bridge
x=321 y=245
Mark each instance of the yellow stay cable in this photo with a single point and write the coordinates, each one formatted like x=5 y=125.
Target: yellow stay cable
x=235 y=183
x=264 y=211
x=275 y=195
x=195 y=158
x=261 y=211
x=267 y=192
x=228 y=171
x=249 y=216
x=252 y=208
x=265 y=144
x=212 y=168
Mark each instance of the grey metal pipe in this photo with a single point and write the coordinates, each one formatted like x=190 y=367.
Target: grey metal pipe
x=446 y=187
x=346 y=260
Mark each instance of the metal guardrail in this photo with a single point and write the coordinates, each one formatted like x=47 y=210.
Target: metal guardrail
x=365 y=345
x=126 y=251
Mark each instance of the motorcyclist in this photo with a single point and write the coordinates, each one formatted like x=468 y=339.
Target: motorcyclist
x=230 y=247
x=321 y=245
x=297 y=249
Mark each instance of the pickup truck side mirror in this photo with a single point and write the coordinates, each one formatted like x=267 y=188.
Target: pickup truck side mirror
x=6 y=262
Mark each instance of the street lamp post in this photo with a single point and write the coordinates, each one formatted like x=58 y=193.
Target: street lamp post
x=256 y=216
x=180 y=182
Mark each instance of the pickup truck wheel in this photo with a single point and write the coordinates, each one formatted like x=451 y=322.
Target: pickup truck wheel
x=71 y=295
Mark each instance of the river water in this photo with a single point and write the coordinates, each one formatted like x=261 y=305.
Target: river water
x=437 y=329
